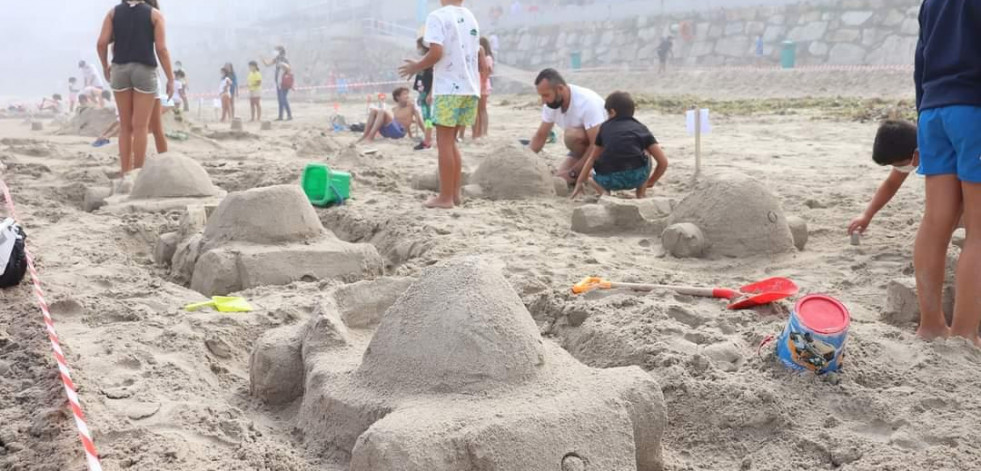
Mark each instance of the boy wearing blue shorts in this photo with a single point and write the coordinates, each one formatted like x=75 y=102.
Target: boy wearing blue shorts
x=453 y=38
x=623 y=154
x=948 y=97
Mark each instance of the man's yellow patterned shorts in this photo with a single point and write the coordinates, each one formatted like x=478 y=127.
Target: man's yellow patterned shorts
x=455 y=110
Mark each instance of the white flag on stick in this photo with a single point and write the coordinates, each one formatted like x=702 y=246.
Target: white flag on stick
x=705 y=124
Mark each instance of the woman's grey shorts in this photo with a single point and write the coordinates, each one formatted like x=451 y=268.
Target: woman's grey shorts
x=134 y=76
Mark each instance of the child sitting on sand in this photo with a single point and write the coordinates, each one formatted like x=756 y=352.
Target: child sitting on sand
x=895 y=145
x=73 y=91
x=393 y=124
x=621 y=160
x=52 y=104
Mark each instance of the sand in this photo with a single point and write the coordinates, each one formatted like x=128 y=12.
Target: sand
x=169 y=390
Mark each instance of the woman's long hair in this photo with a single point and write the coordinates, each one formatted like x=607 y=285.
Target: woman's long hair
x=485 y=43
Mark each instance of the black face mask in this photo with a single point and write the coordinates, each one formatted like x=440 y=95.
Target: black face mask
x=556 y=104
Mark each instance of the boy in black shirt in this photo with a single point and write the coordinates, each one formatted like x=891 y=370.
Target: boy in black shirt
x=424 y=85
x=624 y=149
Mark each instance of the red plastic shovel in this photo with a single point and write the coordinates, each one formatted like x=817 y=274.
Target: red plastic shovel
x=756 y=294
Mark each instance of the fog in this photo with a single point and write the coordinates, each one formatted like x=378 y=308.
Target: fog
x=41 y=42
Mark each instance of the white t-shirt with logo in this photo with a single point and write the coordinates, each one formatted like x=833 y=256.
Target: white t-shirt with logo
x=457 y=73
x=586 y=110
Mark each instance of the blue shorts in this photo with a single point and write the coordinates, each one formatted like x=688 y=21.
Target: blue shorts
x=394 y=130
x=950 y=142
x=624 y=180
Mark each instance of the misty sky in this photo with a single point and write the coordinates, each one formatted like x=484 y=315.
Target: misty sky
x=41 y=41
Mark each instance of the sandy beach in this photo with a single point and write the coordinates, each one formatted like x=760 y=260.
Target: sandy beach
x=166 y=389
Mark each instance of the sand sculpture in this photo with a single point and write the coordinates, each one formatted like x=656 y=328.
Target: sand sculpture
x=616 y=216
x=265 y=236
x=89 y=122
x=513 y=172
x=167 y=182
x=455 y=378
x=738 y=217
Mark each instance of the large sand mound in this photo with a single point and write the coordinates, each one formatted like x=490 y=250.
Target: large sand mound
x=172 y=176
x=463 y=308
x=89 y=122
x=458 y=378
x=271 y=215
x=513 y=172
x=738 y=216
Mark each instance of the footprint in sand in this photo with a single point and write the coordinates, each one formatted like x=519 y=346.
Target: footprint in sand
x=66 y=308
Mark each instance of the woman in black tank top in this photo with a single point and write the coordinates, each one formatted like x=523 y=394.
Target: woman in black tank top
x=136 y=31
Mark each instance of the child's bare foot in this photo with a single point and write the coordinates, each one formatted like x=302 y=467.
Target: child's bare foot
x=933 y=333
x=437 y=202
x=642 y=192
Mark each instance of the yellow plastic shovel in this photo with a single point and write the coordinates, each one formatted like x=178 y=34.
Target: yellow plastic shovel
x=222 y=304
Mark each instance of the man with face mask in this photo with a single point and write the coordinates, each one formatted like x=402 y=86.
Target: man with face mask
x=578 y=111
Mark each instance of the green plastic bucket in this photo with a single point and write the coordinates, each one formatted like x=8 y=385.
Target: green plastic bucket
x=576 y=60
x=324 y=186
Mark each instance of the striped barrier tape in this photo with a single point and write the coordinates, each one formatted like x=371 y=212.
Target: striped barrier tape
x=312 y=87
x=91 y=455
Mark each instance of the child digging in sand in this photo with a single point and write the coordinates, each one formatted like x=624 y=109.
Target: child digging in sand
x=620 y=159
x=453 y=37
x=394 y=124
x=948 y=97
x=895 y=145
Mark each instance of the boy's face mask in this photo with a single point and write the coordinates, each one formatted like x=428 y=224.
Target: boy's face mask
x=907 y=168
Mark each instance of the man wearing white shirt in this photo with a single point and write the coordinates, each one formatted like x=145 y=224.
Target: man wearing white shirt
x=578 y=111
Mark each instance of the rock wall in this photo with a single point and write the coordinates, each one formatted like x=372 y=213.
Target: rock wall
x=842 y=32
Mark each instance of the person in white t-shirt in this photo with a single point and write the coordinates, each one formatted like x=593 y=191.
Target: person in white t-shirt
x=578 y=111
x=453 y=38
x=92 y=83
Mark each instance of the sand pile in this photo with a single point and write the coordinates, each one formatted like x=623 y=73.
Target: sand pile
x=268 y=236
x=89 y=122
x=513 y=172
x=738 y=216
x=172 y=176
x=457 y=377
x=167 y=182
x=315 y=144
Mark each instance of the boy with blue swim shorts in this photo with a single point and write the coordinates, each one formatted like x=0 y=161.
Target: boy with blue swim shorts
x=625 y=149
x=948 y=97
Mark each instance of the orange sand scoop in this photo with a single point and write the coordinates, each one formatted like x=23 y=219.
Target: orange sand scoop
x=756 y=294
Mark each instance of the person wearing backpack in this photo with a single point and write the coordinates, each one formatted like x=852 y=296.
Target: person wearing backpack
x=284 y=81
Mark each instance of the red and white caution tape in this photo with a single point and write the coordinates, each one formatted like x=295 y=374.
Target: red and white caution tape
x=91 y=456
x=345 y=86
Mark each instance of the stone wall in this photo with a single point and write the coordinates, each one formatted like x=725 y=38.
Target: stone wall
x=842 y=32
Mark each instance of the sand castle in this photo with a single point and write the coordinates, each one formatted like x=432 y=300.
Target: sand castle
x=89 y=122
x=735 y=215
x=167 y=182
x=457 y=377
x=512 y=172
x=263 y=236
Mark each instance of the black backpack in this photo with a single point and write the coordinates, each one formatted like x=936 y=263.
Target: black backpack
x=16 y=267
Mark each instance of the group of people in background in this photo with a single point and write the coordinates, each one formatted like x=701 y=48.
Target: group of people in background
x=228 y=87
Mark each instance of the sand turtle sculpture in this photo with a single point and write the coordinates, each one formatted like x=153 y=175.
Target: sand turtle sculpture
x=730 y=215
x=455 y=378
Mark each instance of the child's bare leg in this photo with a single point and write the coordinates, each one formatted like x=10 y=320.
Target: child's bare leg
x=446 y=143
x=943 y=206
x=258 y=109
x=382 y=118
x=372 y=116
x=457 y=176
x=967 y=306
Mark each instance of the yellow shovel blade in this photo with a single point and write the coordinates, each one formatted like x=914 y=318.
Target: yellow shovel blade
x=231 y=304
x=222 y=304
